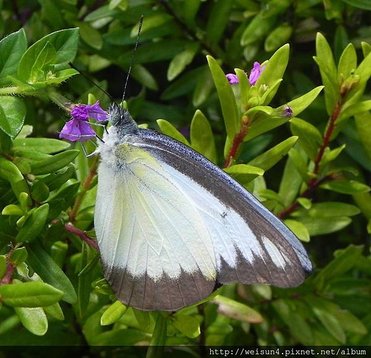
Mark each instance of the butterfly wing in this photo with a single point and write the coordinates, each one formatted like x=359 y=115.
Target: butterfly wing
x=184 y=227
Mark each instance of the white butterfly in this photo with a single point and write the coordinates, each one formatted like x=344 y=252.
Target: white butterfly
x=172 y=227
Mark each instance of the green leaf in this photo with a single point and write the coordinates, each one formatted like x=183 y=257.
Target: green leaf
x=19 y=255
x=180 y=61
x=330 y=209
x=12 y=115
x=227 y=102
x=202 y=138
x=244 y=173
x=320 y=226
x=190 y=9
x=43 y=145
x=219 y=14
x=263 y=124
x=361 y=4
x=39 y=191
x=41 y=66
x=291 y=181
x=299 y=104
x=257 y=29
x=204 y=86
x=330 y=154
x=362 y=122
x=236 y=310
x=3 y=265
x=168 y=129
x=326 y=64
x=33 y=319
x=299 y=328
x=64 y=43
x=350 y=322
x=56 y=180
x=12 y=48
x=50 y=272
x=363 y=201
x=10 y=172
x=29 y=294
x=54 y=311
x=279 y=36
x=358 y=108
x=34 y=224
x=347 y=62
x=309 y=136
x=145 y=77
x=113 y=313
x=272 y=156
x=189 y=326
x=159 y=334
x=326 y=312
x=346 y=186
x=244 y=89
x=299 y=229
x=151 y=22
x=88 y=261
x=54 y=163
x=274 y=70
x=90 y=35
x=345 y=259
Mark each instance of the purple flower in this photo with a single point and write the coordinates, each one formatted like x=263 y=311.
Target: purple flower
x=288 y=112
x=255 y=73
x=84 y=111
x=77 y=130
x=232 y=78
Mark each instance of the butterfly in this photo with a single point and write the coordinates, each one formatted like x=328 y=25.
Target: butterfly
x=172 y=227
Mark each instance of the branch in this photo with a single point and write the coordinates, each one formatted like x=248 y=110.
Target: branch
x=82 y=235
x=313 y=183
x=237 y=141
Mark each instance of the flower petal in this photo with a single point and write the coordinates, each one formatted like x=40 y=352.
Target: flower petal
x=232 y=78
x=77 y=131
x=80 y=112
x=96 y=112
x=255 y=73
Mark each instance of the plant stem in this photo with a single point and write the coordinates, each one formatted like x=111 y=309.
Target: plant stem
x=10 y=267
x=308 y=193
x=314 y=182
x=81 y=234
x=237 y=141
x=327 y=137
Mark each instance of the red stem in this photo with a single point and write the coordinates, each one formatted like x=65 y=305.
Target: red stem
x=10 y=267
x=82 y=235
x=308 y=193
x=237 y=141
x=314 y=182
x=327 y=137
x=8 y=277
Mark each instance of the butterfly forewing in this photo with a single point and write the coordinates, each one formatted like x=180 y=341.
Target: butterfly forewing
x=172 y=227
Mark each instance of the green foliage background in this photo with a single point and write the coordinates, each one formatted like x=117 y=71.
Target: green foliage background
x=311 y=171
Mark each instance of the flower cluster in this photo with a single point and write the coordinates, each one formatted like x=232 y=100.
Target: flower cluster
x=253 y=77
x=78 y=129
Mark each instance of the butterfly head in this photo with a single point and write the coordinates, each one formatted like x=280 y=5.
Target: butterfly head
x=121 y=119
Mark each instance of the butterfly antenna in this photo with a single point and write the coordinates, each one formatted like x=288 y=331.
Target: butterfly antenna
x=132 y=57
